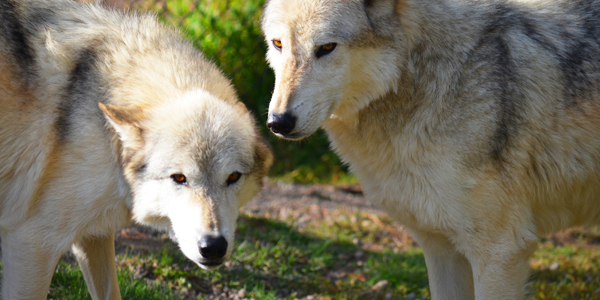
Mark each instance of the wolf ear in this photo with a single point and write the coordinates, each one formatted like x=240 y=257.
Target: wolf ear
x=382 y=5
x=240 y=107
x=264 y=156
x=382 y=13
x=124 y=120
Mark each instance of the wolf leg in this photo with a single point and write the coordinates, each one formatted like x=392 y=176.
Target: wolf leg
x=28 y=263
x=501 y=270
x=449 y=272
x=96 y=257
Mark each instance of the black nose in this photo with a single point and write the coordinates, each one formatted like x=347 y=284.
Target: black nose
x=283 y=124
x=213 y=247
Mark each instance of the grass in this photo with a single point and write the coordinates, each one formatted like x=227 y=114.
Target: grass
x=273 y=260
x=570 y=269
x=341 y=255
x=68 y=283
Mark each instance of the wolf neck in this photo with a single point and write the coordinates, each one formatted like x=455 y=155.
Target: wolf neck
x=394 y=129
x=423 y=48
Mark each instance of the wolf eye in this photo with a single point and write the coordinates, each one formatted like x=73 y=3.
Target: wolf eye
x=277 y=44
x=179 y=178
x=325 y=49
x=233 y=178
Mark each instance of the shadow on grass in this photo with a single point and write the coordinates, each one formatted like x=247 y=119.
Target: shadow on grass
x=273 y=260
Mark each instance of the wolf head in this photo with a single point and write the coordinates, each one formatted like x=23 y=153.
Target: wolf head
x=330 y=57
x=191 y=163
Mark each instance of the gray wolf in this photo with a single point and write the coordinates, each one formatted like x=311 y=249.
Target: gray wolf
x=109 y=117
x=475 y=123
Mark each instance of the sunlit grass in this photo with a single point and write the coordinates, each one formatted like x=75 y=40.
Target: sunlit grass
x=272 y=260
x=344 y=256
x=569 y=271
x=68 y=283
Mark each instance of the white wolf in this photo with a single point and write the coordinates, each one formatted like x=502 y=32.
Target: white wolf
x=108 y=116
x=474 y=122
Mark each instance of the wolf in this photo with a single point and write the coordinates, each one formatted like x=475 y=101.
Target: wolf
x=106 y=118
x=475 y=123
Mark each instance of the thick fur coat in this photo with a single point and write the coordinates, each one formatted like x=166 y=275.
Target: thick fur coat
x=474 y=123
x=108 y=117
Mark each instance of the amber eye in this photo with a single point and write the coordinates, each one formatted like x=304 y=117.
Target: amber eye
x=179 y=178
x=325 y=49
x=277 y=44
x=233 y=178
x=329 y=47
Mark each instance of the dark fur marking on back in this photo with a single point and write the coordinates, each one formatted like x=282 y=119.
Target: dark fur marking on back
x=531 y=31
x=583 y=49
x=506 y=98
x=81 y=82
x=505 y=18
x=42 y=16
x=574 y=73
x=16 y=35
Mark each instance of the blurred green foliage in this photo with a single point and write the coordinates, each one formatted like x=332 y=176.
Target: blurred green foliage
x=229 y=33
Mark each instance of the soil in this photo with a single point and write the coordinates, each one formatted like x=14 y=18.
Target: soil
x=277 y=201
x=281 y=201
x=308 y=203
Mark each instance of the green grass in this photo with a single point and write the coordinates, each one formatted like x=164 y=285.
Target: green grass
x=272 y=260
x=68 y=283
x=341 y=256
x=568 y=270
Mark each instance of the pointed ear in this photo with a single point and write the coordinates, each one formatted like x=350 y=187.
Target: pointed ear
x=264 y=156
x=382 y=13
x=240 y=107
x=124 y=120
x=382 y=6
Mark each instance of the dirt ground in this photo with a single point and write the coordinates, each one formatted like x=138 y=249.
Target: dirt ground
x=304 y=204
x=280 y=201
x=310 y=203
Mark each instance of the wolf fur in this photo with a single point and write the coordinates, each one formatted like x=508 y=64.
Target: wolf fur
x=100 y=110
x=475 y=123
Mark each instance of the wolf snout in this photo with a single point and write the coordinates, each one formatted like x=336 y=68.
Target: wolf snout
x=213 y=247
x=281 y=123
